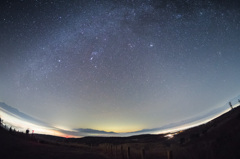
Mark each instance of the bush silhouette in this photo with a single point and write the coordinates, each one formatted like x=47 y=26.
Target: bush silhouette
x=27 y=131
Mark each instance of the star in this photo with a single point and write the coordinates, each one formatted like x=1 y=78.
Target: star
x=151 y=45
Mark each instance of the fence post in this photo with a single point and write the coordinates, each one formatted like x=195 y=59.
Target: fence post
x=116 y=151
x=230 y=104
x=143 y=154
x=170 y=154
x=122 y=152
x=128 y=153
x=0 y=122
x=111 y=150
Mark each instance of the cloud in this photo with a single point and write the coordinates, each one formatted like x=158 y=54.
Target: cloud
x=93 y=131
x=88 y=132
x=16 y=113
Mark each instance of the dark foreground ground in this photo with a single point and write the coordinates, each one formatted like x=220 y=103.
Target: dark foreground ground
x=14 y=146
x=218 y=139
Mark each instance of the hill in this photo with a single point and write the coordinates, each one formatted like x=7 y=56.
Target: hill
x=21 y=146
x=218 y=138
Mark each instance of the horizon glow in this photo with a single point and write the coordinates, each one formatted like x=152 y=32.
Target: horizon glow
x=19 y=124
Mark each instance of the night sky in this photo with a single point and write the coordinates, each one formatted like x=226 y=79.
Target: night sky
x=118 y=66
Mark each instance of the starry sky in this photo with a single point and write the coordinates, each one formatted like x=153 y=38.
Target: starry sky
x=120 y=66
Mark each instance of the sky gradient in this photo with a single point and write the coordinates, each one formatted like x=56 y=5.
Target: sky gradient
x=119 y=66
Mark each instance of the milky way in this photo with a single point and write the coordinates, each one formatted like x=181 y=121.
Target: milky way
x=118 y=66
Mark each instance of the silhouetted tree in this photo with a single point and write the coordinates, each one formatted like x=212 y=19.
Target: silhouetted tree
x=230 y=104
x=1 y=122
x=27 y=131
